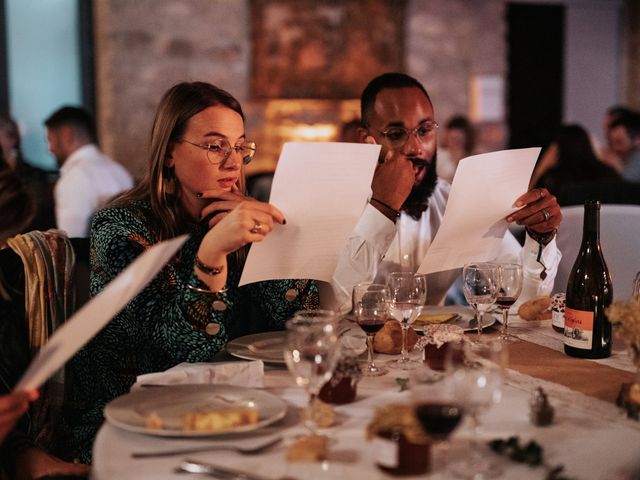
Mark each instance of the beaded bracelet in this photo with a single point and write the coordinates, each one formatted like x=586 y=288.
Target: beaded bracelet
x=207 y=269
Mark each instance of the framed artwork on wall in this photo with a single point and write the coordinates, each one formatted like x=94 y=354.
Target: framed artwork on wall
x=323 y=49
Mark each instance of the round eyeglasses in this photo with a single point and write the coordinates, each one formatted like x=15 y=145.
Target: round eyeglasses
x=219 y=150
x=398 y=136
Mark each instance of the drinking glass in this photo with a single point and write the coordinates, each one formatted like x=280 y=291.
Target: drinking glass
x=311 y=351
x=480 y=287
x=407 y=294
x=371 y=309
x=509 y=289
x=478 y=383
x=437 y=407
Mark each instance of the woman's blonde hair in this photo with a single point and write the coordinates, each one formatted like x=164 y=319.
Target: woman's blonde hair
x=178 y=105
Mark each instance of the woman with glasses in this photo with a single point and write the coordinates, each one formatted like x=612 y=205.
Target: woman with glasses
x=194 y=185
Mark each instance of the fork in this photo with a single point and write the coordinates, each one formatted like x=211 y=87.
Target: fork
x=210 y=448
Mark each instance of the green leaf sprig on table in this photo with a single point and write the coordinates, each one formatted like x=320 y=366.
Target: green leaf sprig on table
x=403 y=382
x=531 y=454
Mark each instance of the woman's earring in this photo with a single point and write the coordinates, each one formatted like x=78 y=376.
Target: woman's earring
x=168 y=180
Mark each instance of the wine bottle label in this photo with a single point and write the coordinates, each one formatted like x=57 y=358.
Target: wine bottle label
x=386 y=452
x=557 y=319
x=578 y=328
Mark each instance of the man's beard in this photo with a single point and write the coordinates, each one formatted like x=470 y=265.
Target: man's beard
x=418 y=200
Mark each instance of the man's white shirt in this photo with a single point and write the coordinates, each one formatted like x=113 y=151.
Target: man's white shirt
x=88 y=180
x=373 y=251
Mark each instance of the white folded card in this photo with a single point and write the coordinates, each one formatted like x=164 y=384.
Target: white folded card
x=483 y=192
x=95 y=314
x=321 y=188
x=245 y=374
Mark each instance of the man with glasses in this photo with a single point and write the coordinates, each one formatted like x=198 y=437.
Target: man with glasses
x=408 y=201
x=88 y=178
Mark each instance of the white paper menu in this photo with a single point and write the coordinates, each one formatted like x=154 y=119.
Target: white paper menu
x=95 y=314
x=322 y=189
x=482 y=194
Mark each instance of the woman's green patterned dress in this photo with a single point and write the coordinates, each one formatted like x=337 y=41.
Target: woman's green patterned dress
x=165 y=324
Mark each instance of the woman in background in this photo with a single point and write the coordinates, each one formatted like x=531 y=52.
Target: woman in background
x=194 y=185
x=38 y=182
x=571 y=161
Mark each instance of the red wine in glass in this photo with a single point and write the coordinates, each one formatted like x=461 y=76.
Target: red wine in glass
x=371 y=326
x=505 y=302
x=438 y=420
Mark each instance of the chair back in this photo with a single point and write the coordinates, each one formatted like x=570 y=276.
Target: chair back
x=619 y=238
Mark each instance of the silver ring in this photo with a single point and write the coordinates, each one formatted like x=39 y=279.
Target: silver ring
x=546 y=215
x=257 y=228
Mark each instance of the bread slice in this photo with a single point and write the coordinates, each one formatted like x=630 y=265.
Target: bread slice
x=434 y=318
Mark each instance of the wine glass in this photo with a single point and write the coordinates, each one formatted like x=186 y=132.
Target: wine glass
x=478 y=382
x=311 y=352
x=480 y=287
x=371 y=309
x=509 y=289
x=407 y=294
x=436 y=404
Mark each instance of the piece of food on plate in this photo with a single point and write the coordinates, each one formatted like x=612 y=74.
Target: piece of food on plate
x=218 y=420
x=536 y=308
x=309 y=448
x=435 y=318
x=389 y=338
x=320 y=413
x=153 y=421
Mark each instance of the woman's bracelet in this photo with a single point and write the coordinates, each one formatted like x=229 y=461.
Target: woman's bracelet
x=207 y=269
x=206 y=290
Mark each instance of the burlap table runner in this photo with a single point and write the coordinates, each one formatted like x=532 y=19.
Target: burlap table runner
x=581 y=375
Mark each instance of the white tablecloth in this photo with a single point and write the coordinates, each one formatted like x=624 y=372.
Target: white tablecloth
x=589 y=437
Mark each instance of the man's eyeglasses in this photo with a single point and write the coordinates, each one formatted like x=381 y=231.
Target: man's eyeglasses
x=219 y=150
x=398 y=136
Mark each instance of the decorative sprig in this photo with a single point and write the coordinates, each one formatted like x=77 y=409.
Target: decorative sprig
x=531 y=454
x=403 y=382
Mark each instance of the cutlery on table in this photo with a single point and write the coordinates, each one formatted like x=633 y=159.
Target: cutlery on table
x=193 y=466
x=210 y=448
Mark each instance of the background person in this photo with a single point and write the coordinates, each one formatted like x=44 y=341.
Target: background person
x=625 y=142
x=573 y=163
x=191 y=309
x=459 y=141
x=88 y=178
x=38 y=182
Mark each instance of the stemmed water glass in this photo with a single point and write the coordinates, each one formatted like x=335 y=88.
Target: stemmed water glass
x=478 y=382
x=311 y=351
x=371 y=309
x=480 y=287
x=407 y=294
x=509 y=289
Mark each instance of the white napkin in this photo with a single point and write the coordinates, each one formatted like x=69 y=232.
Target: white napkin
x=245 y=374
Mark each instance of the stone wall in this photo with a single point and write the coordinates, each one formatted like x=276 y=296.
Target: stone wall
x=143 y=47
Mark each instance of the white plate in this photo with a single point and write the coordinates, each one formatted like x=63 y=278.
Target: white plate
x=466 y=315
x=269 y=346
x=170 y=403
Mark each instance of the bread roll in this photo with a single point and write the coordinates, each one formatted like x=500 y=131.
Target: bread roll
x=389 y=338
x=537 y=308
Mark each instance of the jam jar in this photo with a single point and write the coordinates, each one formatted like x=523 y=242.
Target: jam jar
x=399 y=445
x=397 y=455
x=437 y=339
x=342 y=387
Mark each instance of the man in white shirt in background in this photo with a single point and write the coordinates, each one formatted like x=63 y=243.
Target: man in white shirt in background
x=88 y=178
x=408 y=202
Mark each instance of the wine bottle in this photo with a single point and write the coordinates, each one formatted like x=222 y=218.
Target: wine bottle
x=587 y=331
